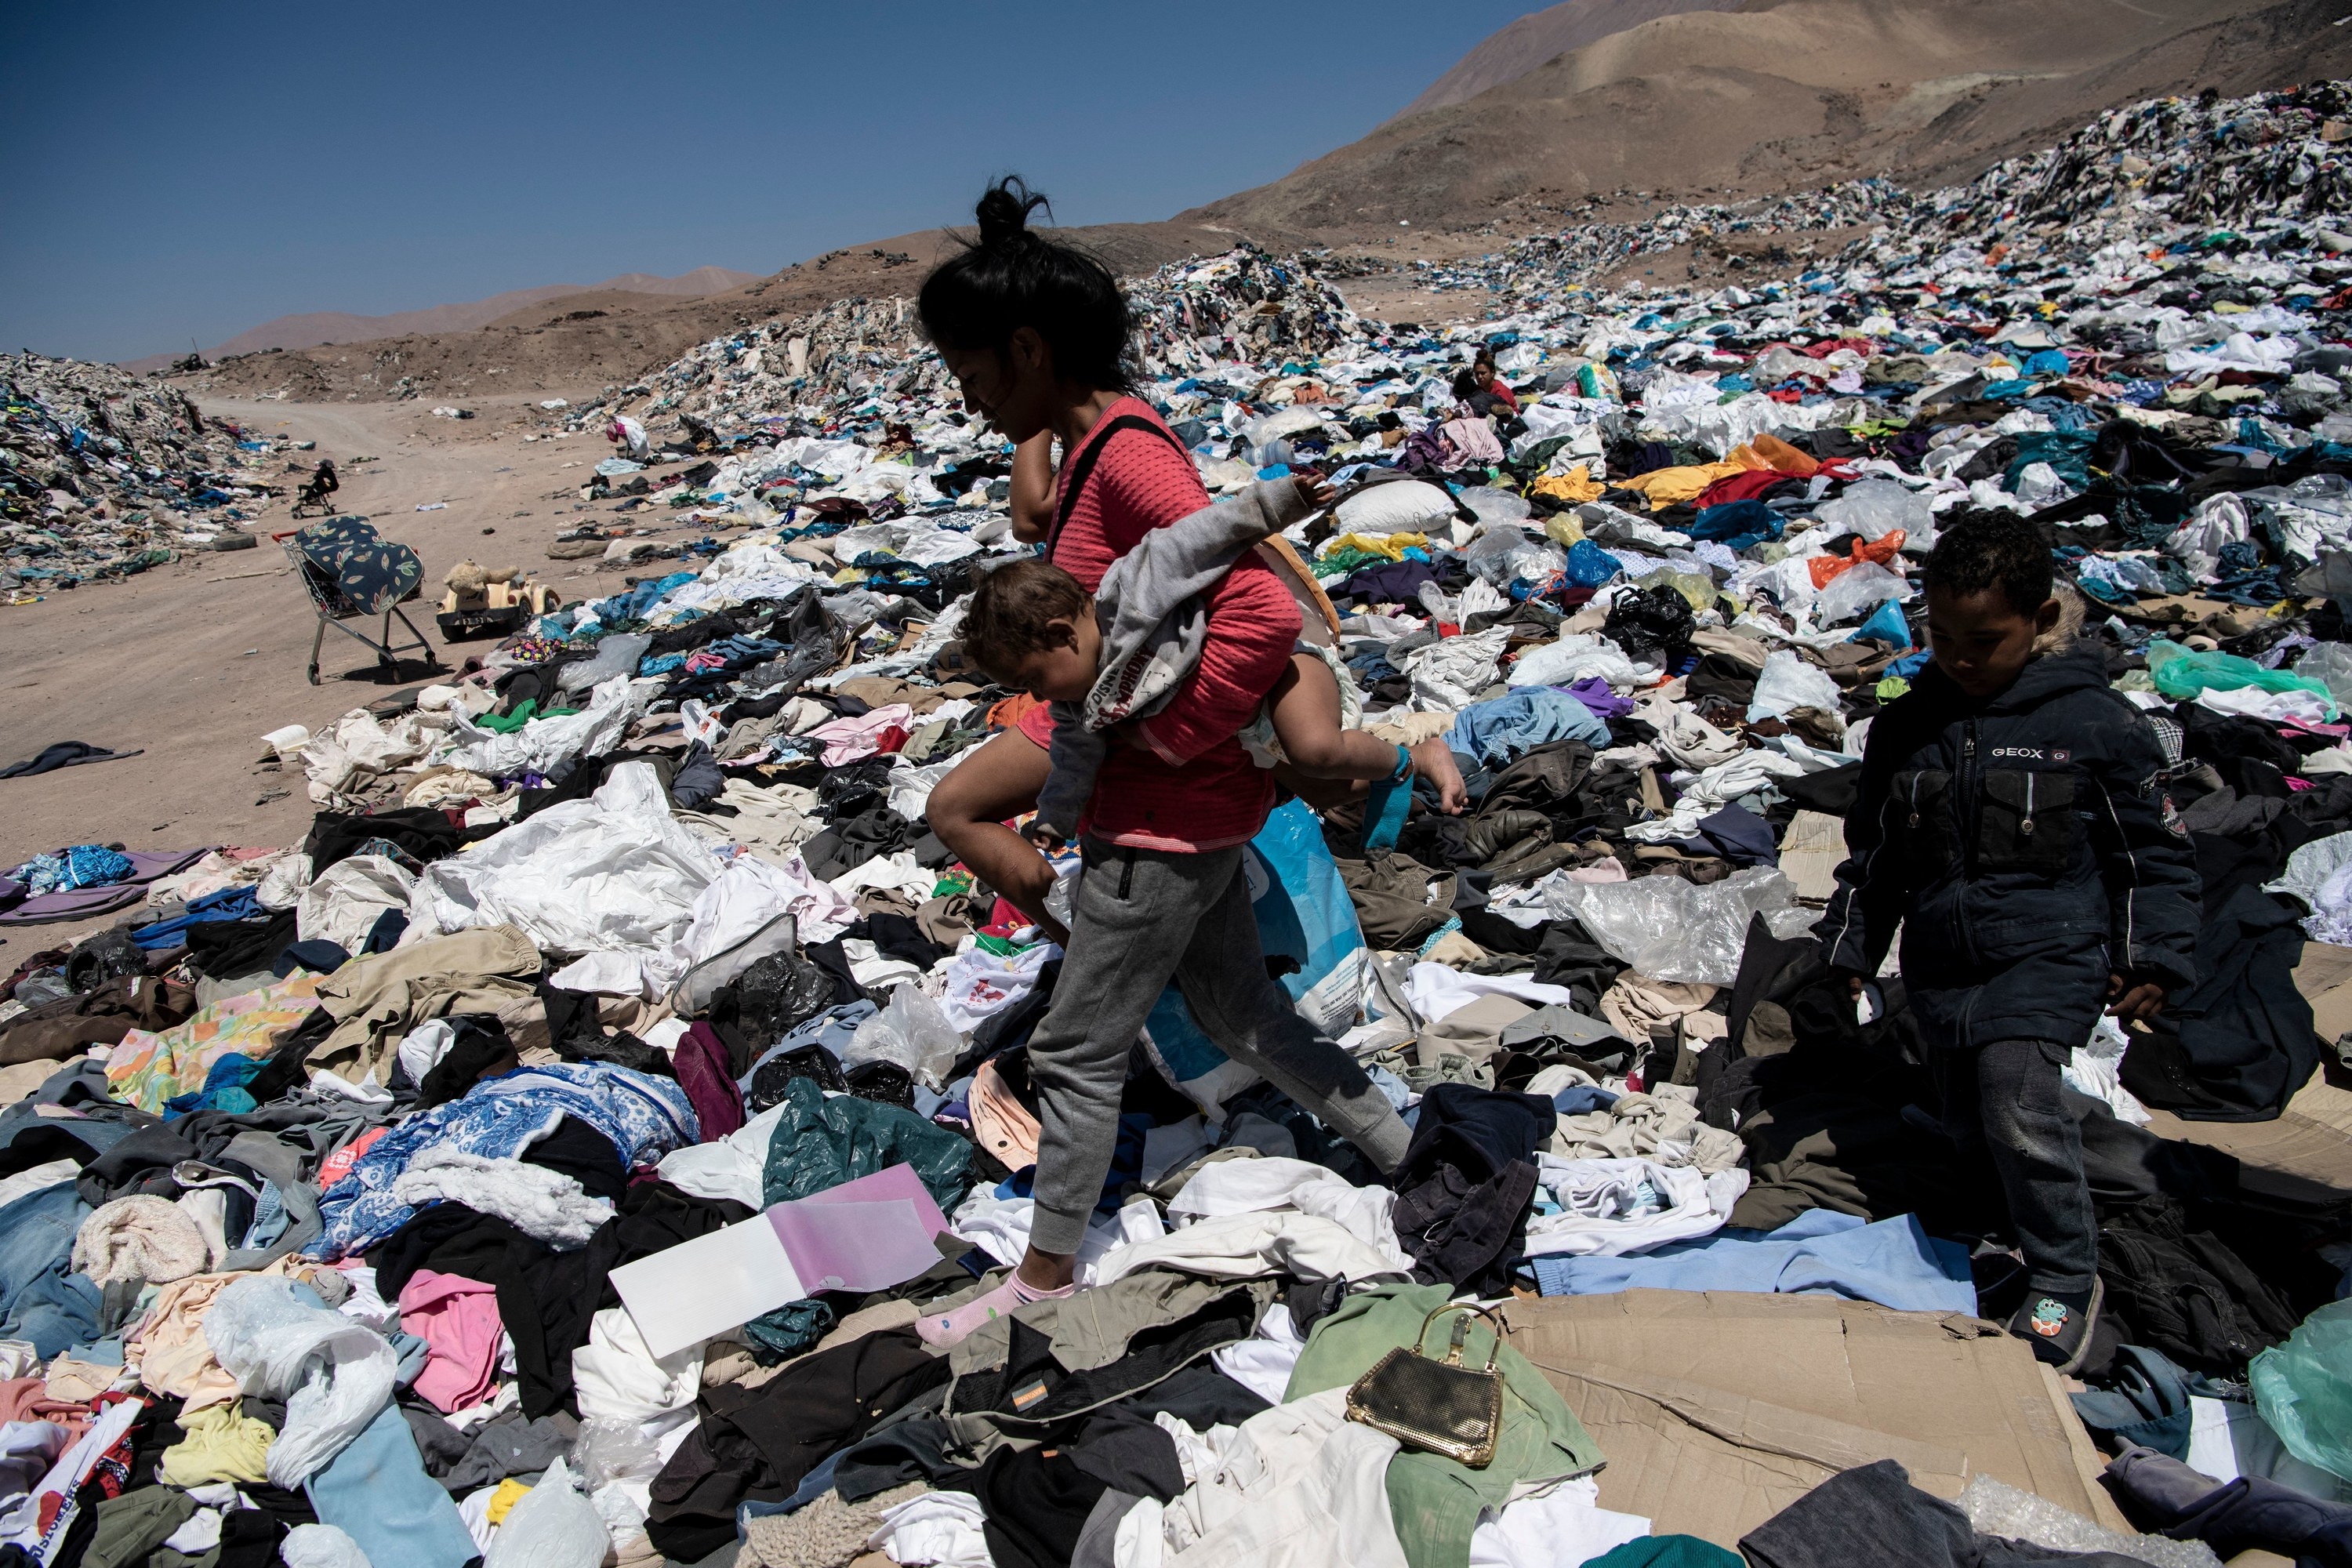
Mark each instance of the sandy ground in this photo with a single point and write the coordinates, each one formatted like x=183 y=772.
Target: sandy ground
x=192 y=663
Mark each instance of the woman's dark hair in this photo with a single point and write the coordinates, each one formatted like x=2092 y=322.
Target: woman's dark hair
x=1466 y=384
x=1009 y=279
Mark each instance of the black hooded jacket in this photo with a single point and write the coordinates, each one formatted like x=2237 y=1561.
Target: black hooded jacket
x=2027 y=846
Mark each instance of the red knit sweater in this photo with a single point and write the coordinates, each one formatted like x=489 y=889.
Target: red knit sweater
x=1196 y=789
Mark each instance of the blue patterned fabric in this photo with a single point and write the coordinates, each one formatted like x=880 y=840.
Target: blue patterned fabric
x=77 y=866
x=646 y=1118
x=368 y=572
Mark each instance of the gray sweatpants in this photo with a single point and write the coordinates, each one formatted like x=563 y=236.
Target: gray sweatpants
x=1144 y=917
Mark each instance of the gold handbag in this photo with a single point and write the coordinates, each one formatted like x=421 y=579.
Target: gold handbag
x=1440 y=1405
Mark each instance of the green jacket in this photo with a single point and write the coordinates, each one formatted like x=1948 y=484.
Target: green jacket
x=1435 y=1501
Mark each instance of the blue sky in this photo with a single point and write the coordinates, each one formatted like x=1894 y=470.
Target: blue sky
x=190 y=171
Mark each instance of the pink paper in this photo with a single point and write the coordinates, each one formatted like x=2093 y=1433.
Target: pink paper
x=866 y=1235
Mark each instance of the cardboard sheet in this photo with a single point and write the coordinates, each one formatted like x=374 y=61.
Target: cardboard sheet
x=1717 y=1410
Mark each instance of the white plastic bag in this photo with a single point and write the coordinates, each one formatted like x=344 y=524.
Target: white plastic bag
x=1398 y=506
x=553 y=1527
x=1669 y=930
x=333 y=1372
x=911 y=1032
x=1576 y=656
x=1785 y=684
x=321 y=1546
x=2330 y=662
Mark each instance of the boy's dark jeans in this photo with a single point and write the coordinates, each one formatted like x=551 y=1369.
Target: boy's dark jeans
x=2002 y=1101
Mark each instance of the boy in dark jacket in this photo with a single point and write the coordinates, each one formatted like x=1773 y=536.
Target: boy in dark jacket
x=2013 y=816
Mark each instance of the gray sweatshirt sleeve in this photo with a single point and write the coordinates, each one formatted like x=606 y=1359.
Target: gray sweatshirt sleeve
x=1153 y=625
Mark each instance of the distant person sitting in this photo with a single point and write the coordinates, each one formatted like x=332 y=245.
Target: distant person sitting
x=1490 y=380
x=1474 y=396
x=323 y=484
x=630 y=437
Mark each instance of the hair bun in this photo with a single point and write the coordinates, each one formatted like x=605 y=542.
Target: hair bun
x=1003 y=211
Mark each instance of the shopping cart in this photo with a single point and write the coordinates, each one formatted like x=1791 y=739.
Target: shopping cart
x=352 y=572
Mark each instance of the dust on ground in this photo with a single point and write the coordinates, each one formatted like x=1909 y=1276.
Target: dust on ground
x=191 y=663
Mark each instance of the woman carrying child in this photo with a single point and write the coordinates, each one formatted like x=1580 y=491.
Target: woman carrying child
x=1035 y=333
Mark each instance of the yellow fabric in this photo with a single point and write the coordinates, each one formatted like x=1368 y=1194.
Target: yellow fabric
x=1576 y=485
x=1393 y=546
x=510 y=1492
x=222 y=1445
x=1672 y=487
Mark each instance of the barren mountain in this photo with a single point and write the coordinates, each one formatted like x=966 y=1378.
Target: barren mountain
x=1512 y=51
x=586 y=338
x=1784 y=96
x=342 y=327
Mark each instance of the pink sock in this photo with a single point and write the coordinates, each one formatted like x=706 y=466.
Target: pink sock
x=943 y=1330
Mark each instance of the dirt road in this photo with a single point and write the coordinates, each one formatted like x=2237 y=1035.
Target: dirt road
x=191 y=663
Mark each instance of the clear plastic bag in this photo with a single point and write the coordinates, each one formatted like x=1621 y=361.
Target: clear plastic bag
x=334 y=1373
x=1497 y=506
x=2330 y=664
x=1855 y=592
x=1787 y=683
x=910 y=1032
x=1669 y=929
x=619 y=654
x=2304 y=1389
x=610 y=1449
x=553 y=1527
x=1875 y=509
x=1996 y=1508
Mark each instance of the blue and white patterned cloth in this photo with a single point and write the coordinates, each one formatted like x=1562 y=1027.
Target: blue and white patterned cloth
x=76 y=865
x=646 y=1118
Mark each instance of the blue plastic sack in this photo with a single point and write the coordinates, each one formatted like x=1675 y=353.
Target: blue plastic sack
x=1885 y=625
x=1589 y=565
x=1304 y=915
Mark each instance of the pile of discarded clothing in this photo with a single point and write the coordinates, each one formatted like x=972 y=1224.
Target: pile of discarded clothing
x=104 y=474
x=549 y=1159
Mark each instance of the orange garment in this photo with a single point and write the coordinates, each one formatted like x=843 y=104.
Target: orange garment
x=1772 y=452
x=1827 y=568
x=1011 y=712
